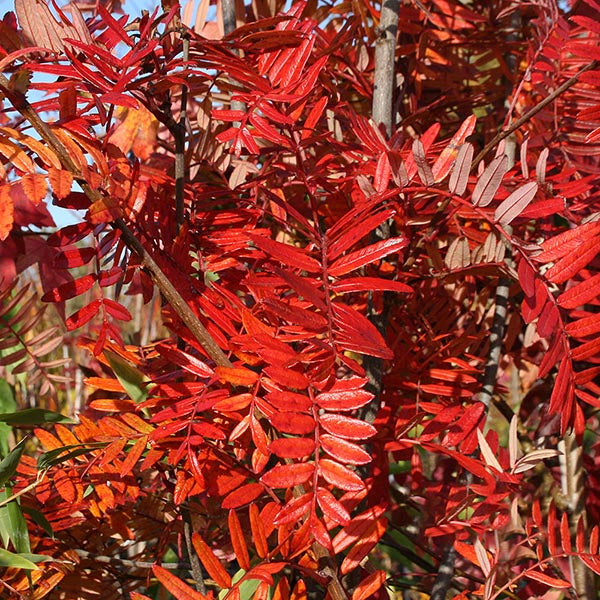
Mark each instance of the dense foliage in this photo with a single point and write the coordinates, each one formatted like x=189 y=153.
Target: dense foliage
x=376 y=366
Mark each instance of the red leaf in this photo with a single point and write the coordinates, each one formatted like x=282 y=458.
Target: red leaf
x=423 y=167
x=444 y=163
x=340 y=476
x=70 y=289
x=364 y=256
x=382 y=173
x=73 y=257
x=258 y=531
x=287 y=476
x=211 y=563
x=368 y=586
x=489 y=181
x=238 y=540
x=287 y=377
x=347 y=231
x=295 y=315
x=565 y=243
x=584 y=327
x=110 y=277
x=293 y=422
x=289 y=401
x=116 y=310
x=286 y=254
x=526 y=277
x=586 y=350
x=343 y=399
x=571 y=264
x=562 y=385
x=581 y=293
x=347 y=427
x=547 y=580
x=511 y=207
x=294 y=510
x=293 y=447
x=369 y=284
x=359 y=525
x=237 y=375
x=178 y=588
x=461 y=169
x=185 y=360
x=368 y=540
x=356 y=333
x=243 y=495
x=331 y=507
x=133 y=456
x=344 y=451
x=83 y=315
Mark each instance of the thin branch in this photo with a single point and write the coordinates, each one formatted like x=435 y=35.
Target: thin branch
x=228 y=13
x=385 y=62
x=383 y=92
x=172 y=296
x=530 y=114
x=445 y=575
x=130 y=564
x=31 y=486
x=573 y=487
x=496 y=336
x=194 y=561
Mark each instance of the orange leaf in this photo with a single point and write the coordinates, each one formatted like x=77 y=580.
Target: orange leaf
x=133 y=456
x=367 y=542
x=238 y=541
x=369 y=585
x=211 y=563
x=236 y=375
x=6 y=212
x=446 y=159
x=258 y=532
x=179 y=589
x=35 y=187
x=551 y=581
x=299 y=591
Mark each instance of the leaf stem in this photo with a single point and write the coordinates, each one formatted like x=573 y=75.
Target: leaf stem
x=531 y=113
x=172 y=296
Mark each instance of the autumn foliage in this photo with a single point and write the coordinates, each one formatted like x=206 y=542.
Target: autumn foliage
x=375 y=358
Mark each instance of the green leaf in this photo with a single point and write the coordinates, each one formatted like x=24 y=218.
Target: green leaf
x=247 y=588
x=59 y=455
x=9 y=465
x=39 y=519
x=7 y=405
x=131 y=378
x=38 y=558
x=13 y=526
x=34 y=416
x=10 y=559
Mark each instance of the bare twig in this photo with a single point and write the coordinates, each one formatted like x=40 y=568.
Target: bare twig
x=130 y=564
x=228 y=12
x=496 y=336
x=531 y=113
x=172 y=296
x=385 y=59
x=445 y=575
x=194 y=561
x=572 y=473
x=383 y=92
